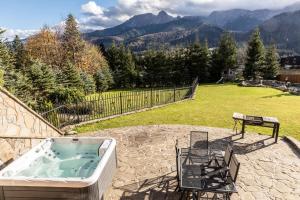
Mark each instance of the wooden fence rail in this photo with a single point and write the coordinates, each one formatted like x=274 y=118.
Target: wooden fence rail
x=110 y=104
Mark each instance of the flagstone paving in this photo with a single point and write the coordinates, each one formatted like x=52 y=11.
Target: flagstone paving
x=146 y=163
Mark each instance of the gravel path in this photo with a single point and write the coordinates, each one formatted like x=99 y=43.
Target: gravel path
x=146 y=163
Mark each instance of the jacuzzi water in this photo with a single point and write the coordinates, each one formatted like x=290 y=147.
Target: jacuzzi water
x=62 y=159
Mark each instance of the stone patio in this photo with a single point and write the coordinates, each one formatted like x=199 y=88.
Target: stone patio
x=146 y=163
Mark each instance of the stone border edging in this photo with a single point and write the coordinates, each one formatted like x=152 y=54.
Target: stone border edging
x=29 y=110
x=295 y=144
x=282 y=87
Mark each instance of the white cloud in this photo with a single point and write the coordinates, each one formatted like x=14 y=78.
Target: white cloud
x=92 y=8
x=10 y=34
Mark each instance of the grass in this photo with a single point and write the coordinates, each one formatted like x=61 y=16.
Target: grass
x=214 y=106
x=109 y=103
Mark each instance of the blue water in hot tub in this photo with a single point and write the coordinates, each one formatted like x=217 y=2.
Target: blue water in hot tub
x=64 y=160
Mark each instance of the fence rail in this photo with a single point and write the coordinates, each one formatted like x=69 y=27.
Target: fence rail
x=110 y=104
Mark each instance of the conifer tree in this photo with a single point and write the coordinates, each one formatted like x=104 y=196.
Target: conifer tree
x=12 y=79
x=216 y=66
x=70 y=77
x=19 y=54
x=88 y=83
x=71 y=40
x=156 y=68
x=227 y=51
x=103 y=79
x=205 y=61
x=194 y=60
x=122 y=64
x=198 y=60
x=255 y=56
x=43 y=81
x=179 y=69
x=271 y=67
x=7 y=66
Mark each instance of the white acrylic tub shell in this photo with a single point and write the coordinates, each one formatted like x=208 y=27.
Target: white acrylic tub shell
x=57 y=182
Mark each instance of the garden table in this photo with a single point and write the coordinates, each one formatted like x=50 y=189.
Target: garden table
x=269 y=122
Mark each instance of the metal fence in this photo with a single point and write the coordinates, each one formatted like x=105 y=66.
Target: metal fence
x=110 y=104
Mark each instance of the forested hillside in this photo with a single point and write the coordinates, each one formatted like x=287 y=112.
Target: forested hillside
x=52 y=68
x=143 y=32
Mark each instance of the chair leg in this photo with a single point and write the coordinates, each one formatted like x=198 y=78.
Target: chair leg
x=182 y=194
x=177 y=188
x=215 y=197
x=227 y=196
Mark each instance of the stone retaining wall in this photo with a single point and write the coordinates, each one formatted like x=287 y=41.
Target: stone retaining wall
x=293 y=88
x=20 y=127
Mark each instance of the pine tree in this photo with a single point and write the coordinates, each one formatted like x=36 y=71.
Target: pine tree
x=156 y=66
x=123 y=67
x=19 y=54
x=205 y=61
x=255 y=56
x=216 y=67
x=70 y=77
x=179 y=70
x=198 y=60
x=271 y=67
x=43 y=81
x=227 y=51
x=193 y=60
x=88 y=83
x=103 y=79
x=71 y=40
x=7 y=66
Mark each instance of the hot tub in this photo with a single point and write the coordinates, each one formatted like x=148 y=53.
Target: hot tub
x=61 y=168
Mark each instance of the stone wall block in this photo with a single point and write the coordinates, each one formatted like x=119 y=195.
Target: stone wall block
x=17 y=123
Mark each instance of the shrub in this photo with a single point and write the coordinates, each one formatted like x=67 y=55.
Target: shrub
x=66 y=95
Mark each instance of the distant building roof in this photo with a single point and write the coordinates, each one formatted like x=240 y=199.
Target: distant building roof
x=290 y=62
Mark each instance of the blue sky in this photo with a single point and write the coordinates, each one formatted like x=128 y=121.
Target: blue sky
x=26 y=17
x=32 y=14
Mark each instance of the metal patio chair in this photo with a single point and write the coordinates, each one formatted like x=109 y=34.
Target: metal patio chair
x=177 y=150
x=227 y=188
x=199 y=147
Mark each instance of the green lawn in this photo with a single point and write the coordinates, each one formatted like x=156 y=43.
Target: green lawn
x=214 y=106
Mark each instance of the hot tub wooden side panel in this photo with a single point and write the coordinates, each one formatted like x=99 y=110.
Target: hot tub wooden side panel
x=29 y=193
x=91 y=192
x=1 y=193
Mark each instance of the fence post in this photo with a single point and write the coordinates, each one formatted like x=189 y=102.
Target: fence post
x=77 y=111
x=151 y=97
x=121 y=104
x=174 y=93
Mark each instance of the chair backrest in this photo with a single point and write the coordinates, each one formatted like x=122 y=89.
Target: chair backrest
x=234 y=167
x=228 y=155
x=199 y=140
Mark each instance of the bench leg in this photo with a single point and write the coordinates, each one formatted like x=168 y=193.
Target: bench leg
x=243 y=129
x=274 y=130
x=277 y=132
x=235 y=126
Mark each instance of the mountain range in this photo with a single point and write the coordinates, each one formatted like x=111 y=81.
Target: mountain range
x=147 y=31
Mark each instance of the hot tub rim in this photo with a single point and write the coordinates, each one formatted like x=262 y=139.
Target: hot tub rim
x=61 y=182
